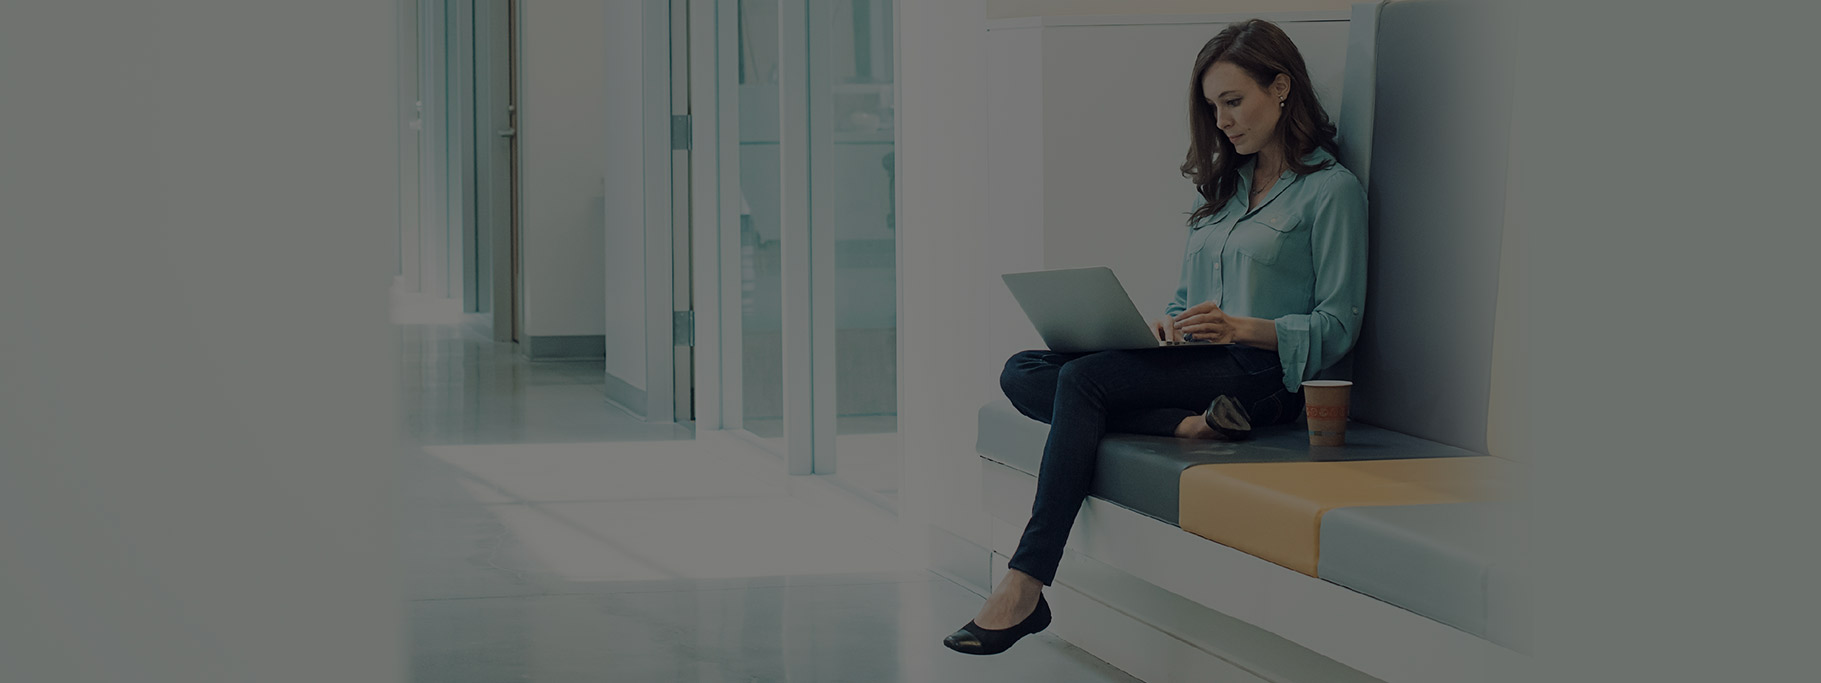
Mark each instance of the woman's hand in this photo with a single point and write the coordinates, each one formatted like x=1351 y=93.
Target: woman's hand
x=1165 y=330
x=1208 y=323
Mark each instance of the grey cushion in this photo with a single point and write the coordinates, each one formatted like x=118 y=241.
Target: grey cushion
x=1441 y=561
x=1358 y=98
x=1143 y=473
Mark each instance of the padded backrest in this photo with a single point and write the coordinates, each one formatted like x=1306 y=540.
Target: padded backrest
x=1354 y=121
x=1440 y=132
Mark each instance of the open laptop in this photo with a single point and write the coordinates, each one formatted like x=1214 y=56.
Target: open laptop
x=1082 y=310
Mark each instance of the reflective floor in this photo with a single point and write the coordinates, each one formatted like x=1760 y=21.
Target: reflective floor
x=547 y=536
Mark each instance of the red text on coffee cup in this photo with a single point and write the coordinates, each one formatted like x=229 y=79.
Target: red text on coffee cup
x=1327 y=412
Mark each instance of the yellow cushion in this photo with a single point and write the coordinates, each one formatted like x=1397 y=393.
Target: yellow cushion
x=1273 y=510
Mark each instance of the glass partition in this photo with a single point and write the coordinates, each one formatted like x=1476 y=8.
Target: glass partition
x=761 y=245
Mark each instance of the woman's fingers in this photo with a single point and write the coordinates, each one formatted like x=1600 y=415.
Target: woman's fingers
x=1205 y=321
x=1200 y=310
x=1215 y=328
x=1165 y=330
x=1202 y=319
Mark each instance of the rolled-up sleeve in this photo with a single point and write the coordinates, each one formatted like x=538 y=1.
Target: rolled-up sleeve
x=1308 y=343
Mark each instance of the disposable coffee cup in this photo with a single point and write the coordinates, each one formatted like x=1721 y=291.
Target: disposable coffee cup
x=1325 y=402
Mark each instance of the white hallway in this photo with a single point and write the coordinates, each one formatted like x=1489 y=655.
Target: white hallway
x=196 y=379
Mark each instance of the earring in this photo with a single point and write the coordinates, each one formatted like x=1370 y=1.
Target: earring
x=1280 y=103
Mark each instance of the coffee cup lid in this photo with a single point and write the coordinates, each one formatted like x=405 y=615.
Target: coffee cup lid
x=1327 y=383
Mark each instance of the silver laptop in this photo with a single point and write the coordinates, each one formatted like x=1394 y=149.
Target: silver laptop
x=1081 y=310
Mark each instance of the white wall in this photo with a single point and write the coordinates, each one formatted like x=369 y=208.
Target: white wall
x=942 y=220
x=197 y=421
x=1018 y=210
x=562 y=106
x=620 y=156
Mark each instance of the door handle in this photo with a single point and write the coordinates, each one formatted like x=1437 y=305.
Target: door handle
x=508 y=132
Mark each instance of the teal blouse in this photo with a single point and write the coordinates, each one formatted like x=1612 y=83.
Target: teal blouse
x=1299 y=259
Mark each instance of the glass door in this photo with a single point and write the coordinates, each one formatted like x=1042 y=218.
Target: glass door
x=737 y=156
x=804 y=128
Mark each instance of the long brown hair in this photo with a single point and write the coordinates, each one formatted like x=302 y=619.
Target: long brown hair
x=1261 y=49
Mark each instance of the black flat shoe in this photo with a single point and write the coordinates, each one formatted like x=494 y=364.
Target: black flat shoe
x=973 y=640
x=1228 y=419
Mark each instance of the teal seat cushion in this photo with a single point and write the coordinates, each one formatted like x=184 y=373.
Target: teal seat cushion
x=1143 y=473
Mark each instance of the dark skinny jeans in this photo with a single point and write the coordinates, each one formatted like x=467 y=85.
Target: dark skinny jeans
x=1149 y=391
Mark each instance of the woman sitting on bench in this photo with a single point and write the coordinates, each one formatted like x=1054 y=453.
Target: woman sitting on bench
x=1276 y=263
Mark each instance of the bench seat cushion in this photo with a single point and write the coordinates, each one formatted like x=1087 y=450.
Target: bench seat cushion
x=1443 y=561
x=1143 y=473
x=1273 y=510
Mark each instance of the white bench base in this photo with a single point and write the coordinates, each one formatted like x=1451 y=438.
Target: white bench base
x=1166 y=605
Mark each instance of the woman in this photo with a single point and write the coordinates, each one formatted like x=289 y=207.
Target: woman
x=1275 y=264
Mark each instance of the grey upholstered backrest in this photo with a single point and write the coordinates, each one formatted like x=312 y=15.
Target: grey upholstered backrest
x=1437 y=165
x=1354 y=120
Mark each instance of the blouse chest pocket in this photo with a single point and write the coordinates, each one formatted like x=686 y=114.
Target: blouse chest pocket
x=1262 y=238
x=1205 y=230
